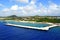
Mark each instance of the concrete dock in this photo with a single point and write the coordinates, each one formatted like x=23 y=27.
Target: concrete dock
x=42 y=28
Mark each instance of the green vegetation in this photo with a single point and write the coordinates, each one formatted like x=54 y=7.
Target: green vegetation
x=48 y=20
x=53 y=19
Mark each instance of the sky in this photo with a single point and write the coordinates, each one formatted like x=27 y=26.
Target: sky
x=30 y=7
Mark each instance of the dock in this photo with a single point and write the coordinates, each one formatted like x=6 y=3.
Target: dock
x=38 y=28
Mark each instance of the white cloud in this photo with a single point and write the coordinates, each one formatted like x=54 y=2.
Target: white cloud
x=53 y=6
x=53 y=9
x=32 y=9
x=23 y=1
x=6 y=10
x=14 y=7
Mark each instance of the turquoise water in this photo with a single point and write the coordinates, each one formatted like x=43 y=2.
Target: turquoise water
x=15 y=33
x=28 y=24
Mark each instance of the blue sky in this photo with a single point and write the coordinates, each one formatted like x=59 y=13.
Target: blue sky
x=30 y=7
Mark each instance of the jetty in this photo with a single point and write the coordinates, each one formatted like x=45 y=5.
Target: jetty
x=38 y=28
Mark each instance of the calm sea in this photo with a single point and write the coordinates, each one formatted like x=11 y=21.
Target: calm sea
x=15 y=33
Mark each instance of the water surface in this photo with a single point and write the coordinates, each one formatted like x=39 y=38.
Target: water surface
x=29 y=24
x=15 y=33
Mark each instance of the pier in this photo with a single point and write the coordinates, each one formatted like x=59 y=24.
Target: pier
x=38 y=28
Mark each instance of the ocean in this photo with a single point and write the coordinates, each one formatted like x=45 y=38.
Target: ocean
x=15 y=33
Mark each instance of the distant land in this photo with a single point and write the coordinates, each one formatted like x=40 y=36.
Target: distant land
x=36 y=18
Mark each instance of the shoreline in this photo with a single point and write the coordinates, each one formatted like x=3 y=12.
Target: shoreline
x=36 y=22
x=43 y=28
x=31 y=21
